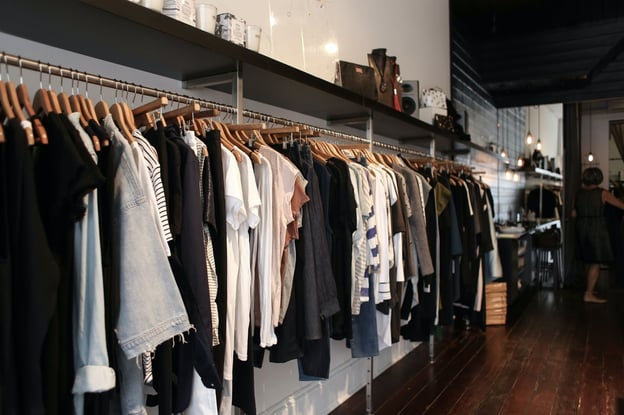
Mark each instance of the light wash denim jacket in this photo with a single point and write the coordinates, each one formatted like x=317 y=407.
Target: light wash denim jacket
x=151 y=308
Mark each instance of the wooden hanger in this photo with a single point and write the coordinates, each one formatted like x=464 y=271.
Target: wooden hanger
x=42 y=103
x=17 y=109
x=240 y=143
x=142 y=114
x=24 y=98
x=63 y=99
x=225 y=141
x=279 y=130
x=246 y=127
x=184 y=111
x=5 y=102
x=153 y=105
x=102 y=110
x=207 y=113
x=118 y=115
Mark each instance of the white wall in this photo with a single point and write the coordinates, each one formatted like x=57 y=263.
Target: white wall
x=311 y=35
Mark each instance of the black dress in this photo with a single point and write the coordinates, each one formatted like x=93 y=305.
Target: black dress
x=592 y=236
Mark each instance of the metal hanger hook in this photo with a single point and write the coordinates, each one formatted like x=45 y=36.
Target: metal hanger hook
x=101 y=99
x=49 y=77
x=86 y=85
x=40 y=76
x=61 y=70
x=6 y=66
x=19 y=63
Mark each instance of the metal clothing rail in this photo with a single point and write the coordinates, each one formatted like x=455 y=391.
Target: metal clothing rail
x=127 y=87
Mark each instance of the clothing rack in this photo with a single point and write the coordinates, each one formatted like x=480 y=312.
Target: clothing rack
x=77 y=76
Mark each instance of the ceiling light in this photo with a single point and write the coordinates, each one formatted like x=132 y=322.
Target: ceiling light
x=516 y=177
x=590 y=157
x=538 y=145
x=503 y=153
x=520 y=162
x=529 y=138
x=508 y=174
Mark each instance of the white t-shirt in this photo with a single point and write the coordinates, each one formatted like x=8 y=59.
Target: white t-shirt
x=284 y=176
x=235 y=215
x=251 y=199
x=262 y=251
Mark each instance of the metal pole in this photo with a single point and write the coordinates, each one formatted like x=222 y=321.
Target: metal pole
x=369 y=372
x=237 y=92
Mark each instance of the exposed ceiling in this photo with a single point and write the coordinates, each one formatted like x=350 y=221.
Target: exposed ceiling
x=543 y=51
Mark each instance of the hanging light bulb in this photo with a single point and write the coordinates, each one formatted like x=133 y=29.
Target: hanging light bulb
x=516 y=177
x=538 y=144
x=503 y=153
x=508 y=174
x=520 y=162
x=529 y=136
x=590 y=156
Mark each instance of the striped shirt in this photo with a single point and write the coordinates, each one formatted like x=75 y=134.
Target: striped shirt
x=201 y=151
x=153 y=167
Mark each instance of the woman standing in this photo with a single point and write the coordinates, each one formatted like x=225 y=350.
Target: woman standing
x=592 y=236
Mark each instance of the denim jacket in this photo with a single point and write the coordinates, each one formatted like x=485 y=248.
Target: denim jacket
x=151 y=307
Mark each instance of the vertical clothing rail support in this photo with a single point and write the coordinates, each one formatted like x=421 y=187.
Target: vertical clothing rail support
x=369 y=371
x=237 y=92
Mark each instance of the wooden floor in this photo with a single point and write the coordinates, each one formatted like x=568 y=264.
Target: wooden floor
x=560 y=356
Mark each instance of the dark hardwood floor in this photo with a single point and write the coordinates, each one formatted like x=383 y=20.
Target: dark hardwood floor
x=560 y=356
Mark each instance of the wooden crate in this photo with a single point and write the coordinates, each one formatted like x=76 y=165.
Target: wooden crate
x=495 y=303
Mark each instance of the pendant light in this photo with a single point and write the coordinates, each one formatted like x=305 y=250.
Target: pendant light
x=538 y=144
x=503 y=152
x=529 y=136
x=508 y=172
x=590 y=156
x=520 y=161
x=516 y=177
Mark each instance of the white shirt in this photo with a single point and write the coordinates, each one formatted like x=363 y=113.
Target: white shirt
x=262 y=245
x=235 y=215
x=284 y=176
x=251 y=199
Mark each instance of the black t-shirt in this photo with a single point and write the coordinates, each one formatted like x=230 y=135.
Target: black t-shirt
x=33 y=284
x=65 y=173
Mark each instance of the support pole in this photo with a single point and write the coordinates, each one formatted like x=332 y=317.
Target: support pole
x=369 y=372
x=237 y=92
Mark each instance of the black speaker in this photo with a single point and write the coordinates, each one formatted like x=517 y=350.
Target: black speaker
x=410 y=102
